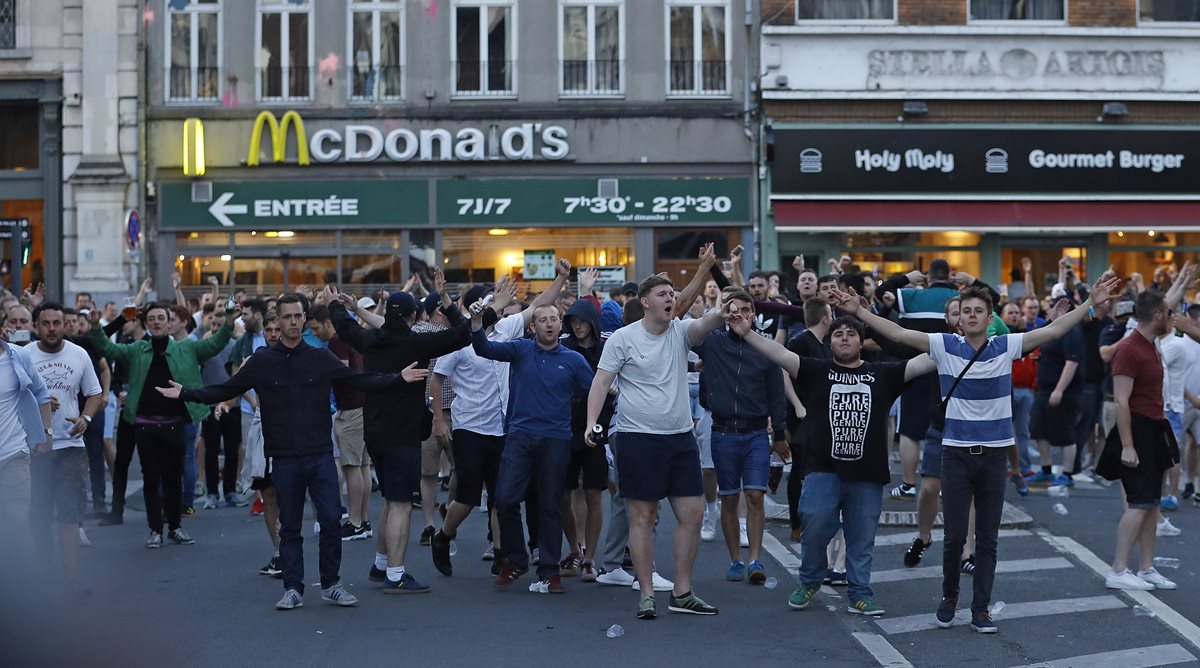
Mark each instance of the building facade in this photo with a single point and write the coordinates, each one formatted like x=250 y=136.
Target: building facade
x=983 y=131
x=68 y=166
x=362 y=142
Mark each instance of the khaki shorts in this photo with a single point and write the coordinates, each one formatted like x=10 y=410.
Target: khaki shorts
x=1109 y=416
x=431 y=453
x=348 y=425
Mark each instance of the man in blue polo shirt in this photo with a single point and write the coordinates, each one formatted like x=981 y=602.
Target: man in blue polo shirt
x=544 y=376
x=978 y=427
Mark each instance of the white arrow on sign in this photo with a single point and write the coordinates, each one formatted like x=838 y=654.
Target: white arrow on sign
x=221 y=209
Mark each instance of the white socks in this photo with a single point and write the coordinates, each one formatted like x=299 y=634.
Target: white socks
x=394 y=573
x=380 y=561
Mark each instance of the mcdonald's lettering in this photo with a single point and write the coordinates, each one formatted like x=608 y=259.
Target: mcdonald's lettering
x=193 y=147
x=367 y=143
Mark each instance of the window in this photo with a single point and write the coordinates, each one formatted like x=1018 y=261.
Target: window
x=592 y=46
x=20 y=147
x=193 y=48
x=484 y=48
x=1027 y=10
x=845 y=10
x=8 y=24
x=376 y=50
x=697 y=48
x=284 y=58
x=1169 y=10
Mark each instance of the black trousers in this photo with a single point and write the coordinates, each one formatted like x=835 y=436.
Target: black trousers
x=126 y=442
x=980 y=478
x=93 y=441
x=160 y=451
x=223 y=433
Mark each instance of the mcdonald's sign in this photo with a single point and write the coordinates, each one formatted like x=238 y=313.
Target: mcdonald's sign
x=193 y=147
x=279 y=133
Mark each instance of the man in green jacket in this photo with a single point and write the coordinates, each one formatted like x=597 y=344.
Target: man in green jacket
x=159 y=422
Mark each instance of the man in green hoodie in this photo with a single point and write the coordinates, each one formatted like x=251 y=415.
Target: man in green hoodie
x=159 y=422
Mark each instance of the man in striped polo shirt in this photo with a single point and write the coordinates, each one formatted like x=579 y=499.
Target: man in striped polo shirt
x=978 y=428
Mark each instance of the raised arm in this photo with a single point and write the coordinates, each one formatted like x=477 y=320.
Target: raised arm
x=1061 y=325
x=701 y=327
x=774 y=352
x=347 y=329
x=708 y=258
x=550 y=294
x=851 y=305
x=1182 y=282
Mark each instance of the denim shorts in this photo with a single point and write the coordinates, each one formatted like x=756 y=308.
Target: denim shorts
x=742 y=460
x=659 y=466
x=1176 y=421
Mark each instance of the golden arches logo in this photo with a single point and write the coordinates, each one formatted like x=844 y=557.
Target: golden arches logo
x=279 y=133
x=193 y=147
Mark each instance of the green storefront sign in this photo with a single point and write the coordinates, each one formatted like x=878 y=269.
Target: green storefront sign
x=578 y=201
x=284 y=204
x=459 y=202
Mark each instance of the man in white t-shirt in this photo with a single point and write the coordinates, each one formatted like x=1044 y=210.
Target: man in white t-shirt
x=24 y=416
x=1191 y=415
x=67 y=371
x=657 y=456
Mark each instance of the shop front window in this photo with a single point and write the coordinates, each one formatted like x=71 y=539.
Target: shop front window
x=473 y=256
x=19 y=146
x=1153 y=255
x=888 y=253
x=196 y=269
x=27 y=215
x=286 y=238
x=1044 y=262
x=372 y=270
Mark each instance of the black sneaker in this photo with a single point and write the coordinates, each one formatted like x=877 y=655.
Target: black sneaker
x=180 y=537
x=913 y=556
x=968 y=565
x=1189 y=492
x=112 y=519
x=427 y=535
x=440 y=544
x=945 y=612
x=407 y=584
x=351 y=532
x=691 y=604
x=627 y=560
x=377 y=574
x=982 y=622
x=272 y=568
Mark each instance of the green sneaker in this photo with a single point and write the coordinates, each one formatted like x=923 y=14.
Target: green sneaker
x=865 y=606
x=803 y=595
x=647 y=609
x=691 y=604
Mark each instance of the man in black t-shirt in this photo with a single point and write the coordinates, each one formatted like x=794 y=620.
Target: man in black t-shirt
x=809 y=343
x=1091 y=396
x=1056 y=405
x=844 y=453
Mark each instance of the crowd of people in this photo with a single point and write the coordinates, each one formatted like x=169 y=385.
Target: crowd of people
x=531 y=409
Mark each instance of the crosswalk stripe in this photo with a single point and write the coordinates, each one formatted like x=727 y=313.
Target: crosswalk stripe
x=926 y=621
x=882 y=650
x=1015 y=566
x=937 y=536
x=1141 y=657
x=784 y=556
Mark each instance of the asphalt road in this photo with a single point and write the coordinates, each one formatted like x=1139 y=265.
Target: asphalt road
x=205 y=605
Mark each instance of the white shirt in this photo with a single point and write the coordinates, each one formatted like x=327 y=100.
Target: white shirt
x=1175 y=361
x=67 y=374
x=12 y=434
x=652 y=371
x=1192 y=376
x=480 y=385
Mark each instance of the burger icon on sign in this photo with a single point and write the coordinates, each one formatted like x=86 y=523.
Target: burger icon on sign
x=810 y=161
x=996 y=161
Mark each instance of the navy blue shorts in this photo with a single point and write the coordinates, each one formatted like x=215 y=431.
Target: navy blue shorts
x=652 y=467
x=915 y=406
x=399 y=471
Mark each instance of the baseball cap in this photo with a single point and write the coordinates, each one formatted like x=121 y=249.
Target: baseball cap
x=629 y=288
x=367 y=302
x=474 y=294
x=431 y=303
x=401 y=304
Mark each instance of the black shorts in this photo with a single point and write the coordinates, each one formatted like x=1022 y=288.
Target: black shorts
x=1143 y=485
x=1054 y=424
x=476 y=463
x=652 y=467
x=399 y=471
x=916 y=402
x=57 y=484
x=591 y=464
x=259 y=484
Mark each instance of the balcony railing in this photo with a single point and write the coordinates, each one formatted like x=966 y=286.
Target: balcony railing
x=273 y=85
x=591 y=77
x=372 y=84
x=698 y=77
x=484 y=78
x=186 y=84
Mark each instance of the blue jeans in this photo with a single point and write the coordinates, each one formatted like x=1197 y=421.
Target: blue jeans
x=543 y=461
x=828 y=503
x=1022 y=406
x=742 y=461
x=93 y=442
x=314 y=476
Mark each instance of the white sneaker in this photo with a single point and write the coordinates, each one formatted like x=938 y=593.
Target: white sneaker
x=660 y=583
x=1155 y=578
x=743 y=538
x=708 y=528
x=83 y=539
x=1082 y=477
x=1165 y=528
x=1126 y=580
x=620 y=577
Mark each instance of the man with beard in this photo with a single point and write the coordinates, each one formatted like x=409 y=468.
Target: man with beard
x=545 y=376
x=844 y=454
x=396 y=422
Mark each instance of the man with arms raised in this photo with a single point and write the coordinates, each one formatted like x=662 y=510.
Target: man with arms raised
x=658 y=456
x=978 y=427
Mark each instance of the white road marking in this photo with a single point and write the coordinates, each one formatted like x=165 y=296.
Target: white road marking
x=882 y=650
x=1015 y=566
x=784 y=556
x=937 y=536
x=1141 y=657
x=1163 y=612
x=1012 y=611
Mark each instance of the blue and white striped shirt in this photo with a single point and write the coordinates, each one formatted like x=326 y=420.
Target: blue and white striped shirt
x=980 y=411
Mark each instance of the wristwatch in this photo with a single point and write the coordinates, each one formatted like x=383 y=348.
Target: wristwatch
x=49 y=431
x=87 y=417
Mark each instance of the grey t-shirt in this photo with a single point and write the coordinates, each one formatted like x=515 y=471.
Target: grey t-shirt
x=652 y=373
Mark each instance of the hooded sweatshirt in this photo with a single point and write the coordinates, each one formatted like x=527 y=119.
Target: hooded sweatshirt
x=586 y=311
x=611 y=316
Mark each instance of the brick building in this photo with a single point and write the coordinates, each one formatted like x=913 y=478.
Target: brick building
x=982 y=131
